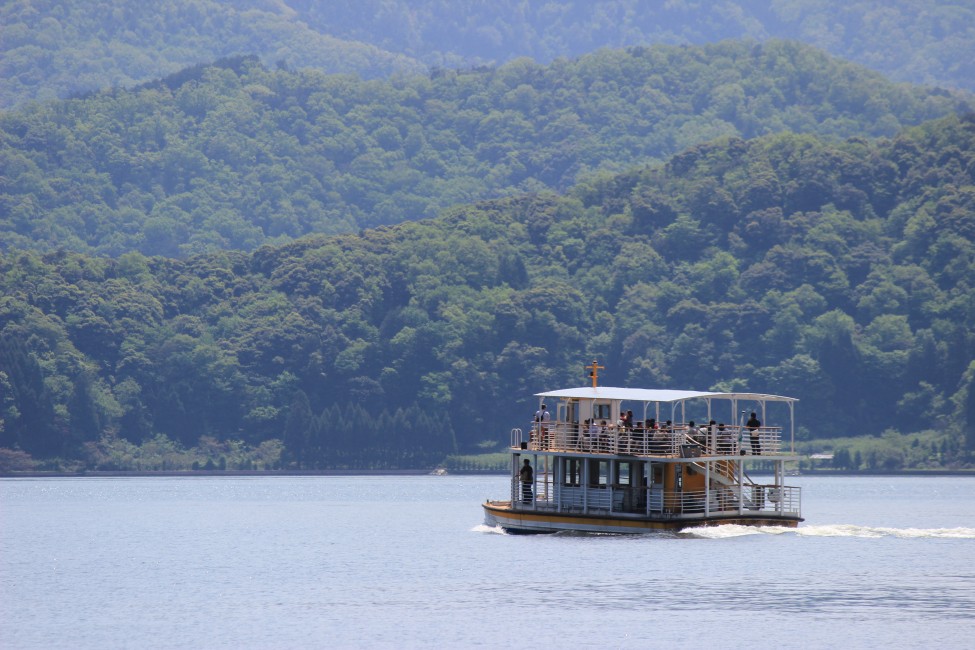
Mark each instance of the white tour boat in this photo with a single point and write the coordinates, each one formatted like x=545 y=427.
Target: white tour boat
x=590 y=464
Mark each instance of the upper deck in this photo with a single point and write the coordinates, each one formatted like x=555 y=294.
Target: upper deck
x=659 y=423
x=672 y=442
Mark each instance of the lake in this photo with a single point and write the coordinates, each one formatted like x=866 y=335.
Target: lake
x=405 y=562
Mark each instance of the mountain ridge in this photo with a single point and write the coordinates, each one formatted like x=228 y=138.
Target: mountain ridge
x=235 y=155
x=51 y=50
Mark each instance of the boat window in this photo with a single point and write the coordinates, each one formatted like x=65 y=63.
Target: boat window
x=601 y=412
x=571 y=413
x=657 y=472
x=623 y=473
x=598 y=472
x=572 y=471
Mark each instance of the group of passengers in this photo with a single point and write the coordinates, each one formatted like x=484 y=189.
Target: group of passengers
x=652 y=437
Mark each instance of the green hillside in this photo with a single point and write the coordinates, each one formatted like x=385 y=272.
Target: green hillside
x=236 y=155
x=920 y=42
x=841 y=272
x=55 y=49
x=52 y=49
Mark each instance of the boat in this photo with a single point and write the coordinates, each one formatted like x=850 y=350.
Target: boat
x=589 y=464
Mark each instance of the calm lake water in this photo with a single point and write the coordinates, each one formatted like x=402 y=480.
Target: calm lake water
x=404 y=562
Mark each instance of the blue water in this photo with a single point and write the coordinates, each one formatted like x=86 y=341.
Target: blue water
x=405 y=562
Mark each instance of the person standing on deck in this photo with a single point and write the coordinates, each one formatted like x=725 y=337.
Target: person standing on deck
x=527 y=479
x=726 y=440
x=542 y=417
x=753 y=425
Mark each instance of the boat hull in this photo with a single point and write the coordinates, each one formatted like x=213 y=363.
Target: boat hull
x=531 y=521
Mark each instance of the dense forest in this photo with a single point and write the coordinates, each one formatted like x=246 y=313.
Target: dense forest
x=920 y=42
x=293 y=234
x=788 y=263
x=53 y=49
x=236 y=155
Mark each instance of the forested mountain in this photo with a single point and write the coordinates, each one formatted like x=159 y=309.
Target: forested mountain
x=788 y=263
x=921 y=42
x=236 y=155
x=55 y=48
x=51 y=49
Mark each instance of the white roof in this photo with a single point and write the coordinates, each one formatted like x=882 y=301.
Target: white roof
x=656 y=394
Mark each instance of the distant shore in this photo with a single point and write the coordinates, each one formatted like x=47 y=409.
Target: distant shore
x=416 y=472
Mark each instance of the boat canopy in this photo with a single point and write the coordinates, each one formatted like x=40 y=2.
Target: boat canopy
x=656 y=395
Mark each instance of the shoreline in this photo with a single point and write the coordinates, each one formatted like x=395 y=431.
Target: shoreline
x=414 y=472
x=242 y=472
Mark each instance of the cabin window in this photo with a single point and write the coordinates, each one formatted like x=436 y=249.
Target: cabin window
x=624 y=472
x=572 y=413
x=572 y=471
x=598 y=472
x=657 y=474
x=601 y=412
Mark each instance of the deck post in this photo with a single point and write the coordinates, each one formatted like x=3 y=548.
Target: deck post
x=707 y=488
x=741 y=488
x=585 y=485
x=779 y=481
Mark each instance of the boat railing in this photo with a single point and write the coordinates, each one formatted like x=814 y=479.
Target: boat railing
x=748 y=500
x=730 y=441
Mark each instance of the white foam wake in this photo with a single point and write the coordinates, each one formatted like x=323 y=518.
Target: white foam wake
x=830 y=530
x=484 y=528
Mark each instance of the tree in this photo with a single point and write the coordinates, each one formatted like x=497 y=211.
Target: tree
x=298 y=429
x=36 y=428
x=85 y=420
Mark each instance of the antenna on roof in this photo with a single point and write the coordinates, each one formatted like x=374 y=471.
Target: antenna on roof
x=594 y=371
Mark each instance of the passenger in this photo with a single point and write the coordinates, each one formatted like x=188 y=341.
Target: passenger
x=621 y=437
x=709 y=438
x=527 y=479
x=726 y=440
x=661 y=440
x=639 y=437
x=753 y=425
x=624 y=436
x=542 y=417
x=593 y=434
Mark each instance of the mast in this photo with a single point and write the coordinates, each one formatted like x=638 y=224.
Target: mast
x=594 y=369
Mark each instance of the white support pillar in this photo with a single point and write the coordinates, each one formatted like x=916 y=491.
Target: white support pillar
x=707 y=488
x=741 y=487
x=584 y=480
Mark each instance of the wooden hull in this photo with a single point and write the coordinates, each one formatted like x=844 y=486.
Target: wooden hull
x=541 y=521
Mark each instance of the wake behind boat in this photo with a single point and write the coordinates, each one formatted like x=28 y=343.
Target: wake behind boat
x=589 y=465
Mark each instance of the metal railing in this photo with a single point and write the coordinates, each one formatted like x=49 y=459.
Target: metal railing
x=730 y=441
x=749 y=500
